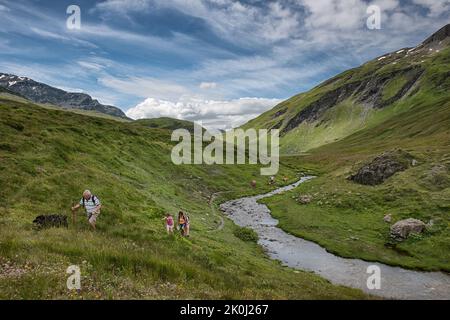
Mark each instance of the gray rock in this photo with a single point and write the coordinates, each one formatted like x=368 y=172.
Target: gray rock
x=401 y=229
x=304 y=199
x=382 y=167
x=387 y=218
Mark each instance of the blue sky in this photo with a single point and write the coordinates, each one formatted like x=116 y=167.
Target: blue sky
x=221 y=62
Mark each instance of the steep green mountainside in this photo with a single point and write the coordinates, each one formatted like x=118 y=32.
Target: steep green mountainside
x=348 y=218
x=48 y=157
x=363 y=97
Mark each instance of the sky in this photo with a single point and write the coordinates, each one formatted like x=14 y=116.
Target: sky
x=219 y=62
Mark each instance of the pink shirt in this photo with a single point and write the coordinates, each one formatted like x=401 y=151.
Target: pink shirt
x=169 y=221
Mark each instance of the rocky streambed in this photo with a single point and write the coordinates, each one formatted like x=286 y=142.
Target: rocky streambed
x=395 y=282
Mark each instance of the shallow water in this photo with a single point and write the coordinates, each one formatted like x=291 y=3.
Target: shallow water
x=396 y=282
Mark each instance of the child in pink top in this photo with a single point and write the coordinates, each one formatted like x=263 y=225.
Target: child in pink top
x=169 y=223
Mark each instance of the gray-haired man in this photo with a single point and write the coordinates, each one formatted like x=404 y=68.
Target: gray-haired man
x=92 y=206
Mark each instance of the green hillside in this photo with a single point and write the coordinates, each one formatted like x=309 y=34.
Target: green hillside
x=48 y=157
x=398 y=101
x=347 y=218
x=166 y=123
x=363 y=97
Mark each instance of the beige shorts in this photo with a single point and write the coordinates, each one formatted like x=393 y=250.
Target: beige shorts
x=92 y=217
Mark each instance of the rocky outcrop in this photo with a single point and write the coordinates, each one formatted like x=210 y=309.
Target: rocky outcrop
x=402 y=229
x=439 y=35
x=316 y=109
x=45 y=94
x=368 y=91
x=382 y=167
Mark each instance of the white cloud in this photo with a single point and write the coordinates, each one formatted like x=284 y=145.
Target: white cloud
x=435 y=7
x=208 y=85
x=120 y=6
x=212 y=113
x=236 y=21
x=144 y=87
x=55 y=36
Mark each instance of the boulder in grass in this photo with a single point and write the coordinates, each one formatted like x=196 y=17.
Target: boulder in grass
x=50 y=221
x=382 y=167
x=403 y=228
x=304 y=199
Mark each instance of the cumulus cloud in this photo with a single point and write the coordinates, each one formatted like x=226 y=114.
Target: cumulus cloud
x=212 y=113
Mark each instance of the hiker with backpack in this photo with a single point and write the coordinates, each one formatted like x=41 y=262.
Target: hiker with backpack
x=187 y=226
x=183 y=224
x=92 y=206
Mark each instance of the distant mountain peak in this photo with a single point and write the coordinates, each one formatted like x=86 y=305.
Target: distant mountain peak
x=42 y=93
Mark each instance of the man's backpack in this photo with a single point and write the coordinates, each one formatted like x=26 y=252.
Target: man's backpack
x=92 y=198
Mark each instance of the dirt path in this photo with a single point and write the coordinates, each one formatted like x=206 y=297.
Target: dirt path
x=214 y=211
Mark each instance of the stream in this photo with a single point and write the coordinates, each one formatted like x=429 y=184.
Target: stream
x=297 y=253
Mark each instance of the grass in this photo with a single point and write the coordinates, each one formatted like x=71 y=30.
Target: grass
x=347 y=218
x=48 y=157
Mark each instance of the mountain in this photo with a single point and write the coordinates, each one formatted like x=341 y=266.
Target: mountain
x=45 y=94
x=363 y=97
x=392 y=111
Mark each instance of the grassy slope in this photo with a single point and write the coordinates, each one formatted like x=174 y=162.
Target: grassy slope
x=347 y=218
x=47 y=157
x=166 y=123
x=9 y=95
x=350 y=116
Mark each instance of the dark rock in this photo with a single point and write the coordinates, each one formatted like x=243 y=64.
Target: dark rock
x=382 y=167
x=401 y=229
x=368 y=91
x=48 y=221
x=42 y=93
x=439 y=35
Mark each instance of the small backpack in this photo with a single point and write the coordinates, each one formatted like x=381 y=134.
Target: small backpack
x=93 y=200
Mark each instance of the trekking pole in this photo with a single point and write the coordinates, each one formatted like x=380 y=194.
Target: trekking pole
x=74 y=217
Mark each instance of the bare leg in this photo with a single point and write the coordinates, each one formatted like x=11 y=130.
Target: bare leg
x=93 y=220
